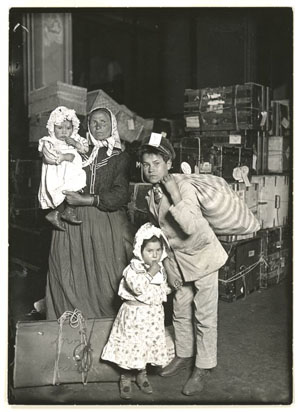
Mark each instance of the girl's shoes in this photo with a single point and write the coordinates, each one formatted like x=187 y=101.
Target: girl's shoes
x=125 y=386
x=143 y=383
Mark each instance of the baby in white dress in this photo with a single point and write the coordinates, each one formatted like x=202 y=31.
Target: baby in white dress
x=62 y=165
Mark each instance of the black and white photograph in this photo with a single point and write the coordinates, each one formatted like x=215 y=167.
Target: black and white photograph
x=150 y=206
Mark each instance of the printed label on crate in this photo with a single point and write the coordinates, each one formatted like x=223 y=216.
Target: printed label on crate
x=192 y=121
x=235 y=139
x=215 y=106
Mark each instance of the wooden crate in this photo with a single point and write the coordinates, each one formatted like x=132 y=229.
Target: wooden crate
x=279 y=156
x=273 y=200
x=49 y=97
x=235 y=107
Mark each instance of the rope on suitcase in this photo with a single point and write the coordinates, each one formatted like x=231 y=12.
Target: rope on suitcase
x=84 y=357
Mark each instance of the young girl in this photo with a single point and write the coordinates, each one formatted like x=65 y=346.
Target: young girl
x=62 y=165
x=138 y=335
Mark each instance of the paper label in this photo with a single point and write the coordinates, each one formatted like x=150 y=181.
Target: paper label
x=254 y=161
x=235 y=139
x=155 y=139
x=245 y=171
x=130 y=124
x=192 y=121
x=263 y=118
x=285 y=123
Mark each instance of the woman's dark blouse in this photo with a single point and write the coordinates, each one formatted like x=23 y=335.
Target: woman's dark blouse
x=108 y=177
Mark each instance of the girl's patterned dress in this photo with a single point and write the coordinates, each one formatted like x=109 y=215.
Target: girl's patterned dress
x=138 y=334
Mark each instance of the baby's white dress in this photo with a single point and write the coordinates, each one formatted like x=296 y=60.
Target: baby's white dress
x=65 y=176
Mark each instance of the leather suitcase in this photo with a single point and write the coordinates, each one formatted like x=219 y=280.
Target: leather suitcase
x=187 y=150
x=137 y=207
x=39 y=343
x=240 y=275
x=47 y=354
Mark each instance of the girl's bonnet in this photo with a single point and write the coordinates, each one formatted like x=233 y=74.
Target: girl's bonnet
x=59 y=115
x=146 y=232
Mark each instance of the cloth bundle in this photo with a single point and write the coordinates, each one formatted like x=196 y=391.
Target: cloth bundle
x=225 y=211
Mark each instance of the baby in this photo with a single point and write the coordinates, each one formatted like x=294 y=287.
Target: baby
x=62 y=165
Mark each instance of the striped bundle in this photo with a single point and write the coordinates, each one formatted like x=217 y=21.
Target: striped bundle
x=225 y=211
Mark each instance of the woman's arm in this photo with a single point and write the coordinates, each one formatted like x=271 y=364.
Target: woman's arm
x=108 y=200
x=118 y=195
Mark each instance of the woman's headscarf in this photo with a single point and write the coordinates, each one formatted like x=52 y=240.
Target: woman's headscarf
x=111 y=142
x=59 y=115
x=146 y=232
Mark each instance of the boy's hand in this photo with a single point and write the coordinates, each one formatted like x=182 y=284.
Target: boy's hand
x=154 y=268
x=171 y=187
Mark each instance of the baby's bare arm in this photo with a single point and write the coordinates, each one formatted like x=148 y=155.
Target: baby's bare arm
x=68 y=157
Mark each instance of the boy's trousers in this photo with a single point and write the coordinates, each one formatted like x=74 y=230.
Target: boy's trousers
x=195 y=311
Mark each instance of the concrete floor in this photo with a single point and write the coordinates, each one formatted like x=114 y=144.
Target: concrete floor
x=254 y=358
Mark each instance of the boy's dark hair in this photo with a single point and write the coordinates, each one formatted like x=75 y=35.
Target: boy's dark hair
x=152 y=239
x=164 y=148
x=152 y=150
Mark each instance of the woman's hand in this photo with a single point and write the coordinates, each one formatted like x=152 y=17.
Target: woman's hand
x=76 y=199
x=171 y=187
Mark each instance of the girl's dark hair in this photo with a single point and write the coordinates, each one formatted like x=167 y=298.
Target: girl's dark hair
x=152 y=239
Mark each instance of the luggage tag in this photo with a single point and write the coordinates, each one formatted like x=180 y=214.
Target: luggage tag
x=186 y=168
x=241 y=175
x=157 y=279
x=263 y=118
x=155 y=139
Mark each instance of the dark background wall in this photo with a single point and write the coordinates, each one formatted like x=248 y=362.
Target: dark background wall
x=146 y=57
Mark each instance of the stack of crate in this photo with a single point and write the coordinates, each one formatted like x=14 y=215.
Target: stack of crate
x=239 y=133
x=42 y=101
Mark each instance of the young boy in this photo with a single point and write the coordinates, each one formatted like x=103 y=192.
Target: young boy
x=197 y=256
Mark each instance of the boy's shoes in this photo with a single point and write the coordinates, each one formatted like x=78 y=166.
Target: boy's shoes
x=54 y=218
x=143 y=383
x=196 y=382
x=69 y=215
x=125 y=386
x=176 y=365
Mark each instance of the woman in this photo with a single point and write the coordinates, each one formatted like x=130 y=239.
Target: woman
x=86 y=261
